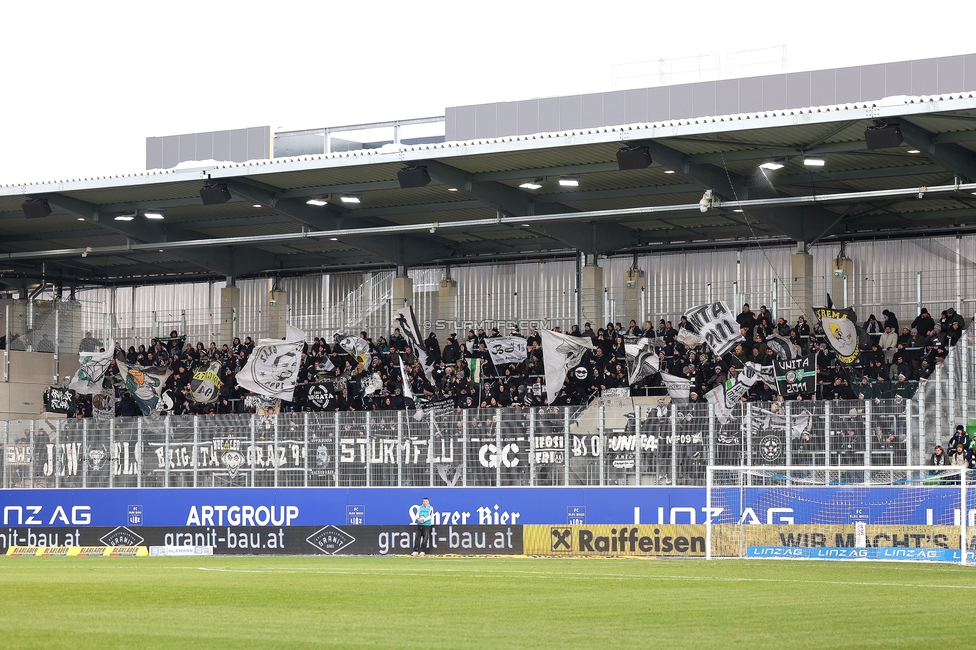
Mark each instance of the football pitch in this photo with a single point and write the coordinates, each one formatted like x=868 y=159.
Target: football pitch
x=448 y=602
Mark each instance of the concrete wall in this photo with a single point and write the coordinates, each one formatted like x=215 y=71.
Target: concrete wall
x=22 y=397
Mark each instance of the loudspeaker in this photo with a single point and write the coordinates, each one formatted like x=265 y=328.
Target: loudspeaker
x=413 y=176
x=883 y=137
x=636 y=157
x=36 y=208
x=214 y=194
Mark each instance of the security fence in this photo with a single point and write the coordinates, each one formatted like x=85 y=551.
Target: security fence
x=612 y=443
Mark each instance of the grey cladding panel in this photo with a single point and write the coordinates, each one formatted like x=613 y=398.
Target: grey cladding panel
x=872 y=82
x=171 y=151
x=506 y=118
x=154 y=153
x=450 y=128
x=969 y=83
x=591 y=110
x=205 y=146
x=466 y=122
x=636 y=105
x=848 y=85
x=222 y=145
x=258 y=142
x=528 y=117
x=658 y=104
x=898 y=79
x=750 y=94
x=822 y=88
x=570 y=112
x=549 y=114
x=727 y=97
x=485 y=123
x=614 y=108
x=188 y=147
x=798 y=90
x=952 y=74
x=238 y=145
x=774 y=92
x=682 y=102
x=925 y=77
x=704 y=98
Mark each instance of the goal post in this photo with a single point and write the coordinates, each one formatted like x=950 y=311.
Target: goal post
x=919 y=513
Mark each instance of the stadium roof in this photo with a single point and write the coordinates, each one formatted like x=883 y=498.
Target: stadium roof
x=474 y=209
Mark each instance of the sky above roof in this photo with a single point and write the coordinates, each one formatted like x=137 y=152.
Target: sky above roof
x=87 y=82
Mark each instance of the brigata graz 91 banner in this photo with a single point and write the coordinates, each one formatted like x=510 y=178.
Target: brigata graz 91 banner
x=280 y=540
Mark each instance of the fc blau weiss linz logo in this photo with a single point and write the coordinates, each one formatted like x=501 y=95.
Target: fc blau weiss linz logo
x=121 y=536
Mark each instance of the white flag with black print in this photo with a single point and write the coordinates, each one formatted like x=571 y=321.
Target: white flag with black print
x=272 y=368
x=506 y=349
x=91 y=371
x=716 y=324
x=411 y=331
x=560 y=353
x=358 y=348
x=679 y=388
x=782 y=347
x=642 y=359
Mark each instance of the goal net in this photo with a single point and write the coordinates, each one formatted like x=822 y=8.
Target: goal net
x=845 y=512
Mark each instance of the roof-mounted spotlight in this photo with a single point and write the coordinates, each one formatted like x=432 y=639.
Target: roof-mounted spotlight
x=36 y=208
x=569 y=181
x=814 y=161
x=154 y=214
x=351 y=198
x=413 y=176
x=317 y=202
x=635 y=157
x=532 y=185
x=773 y=165
x=883 y=136
x=214 y=194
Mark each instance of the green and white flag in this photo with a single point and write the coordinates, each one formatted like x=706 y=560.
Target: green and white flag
x=797 y=376
x=91 y=370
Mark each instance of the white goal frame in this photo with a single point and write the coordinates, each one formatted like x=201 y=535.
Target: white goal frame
x=955 y=474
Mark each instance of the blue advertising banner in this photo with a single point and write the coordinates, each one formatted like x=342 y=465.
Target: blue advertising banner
x=506 y=506
x=243 y=507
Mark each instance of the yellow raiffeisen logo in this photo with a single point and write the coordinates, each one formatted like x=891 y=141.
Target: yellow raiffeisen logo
x=78 y=551
x=684 y=540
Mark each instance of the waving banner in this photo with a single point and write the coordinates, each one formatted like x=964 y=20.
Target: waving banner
x=60 y=400
x=506 y=349
x=91 y=371
x=272 y=368
x=411 y=331
x=560 y=353
x=725 y=397
x=688 y=338
x=716 y=324
x=797 y=376
x=358 y=348
x=678 y=387
x=206 y=383
x=103 y=405
x=782 y=347
x=642 y=359
x=840 y=328
x=145 y=385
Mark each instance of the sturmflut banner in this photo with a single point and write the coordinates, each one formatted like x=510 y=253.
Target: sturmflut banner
x=716 y=324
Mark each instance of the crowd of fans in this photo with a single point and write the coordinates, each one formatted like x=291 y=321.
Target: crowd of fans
x=890 y=359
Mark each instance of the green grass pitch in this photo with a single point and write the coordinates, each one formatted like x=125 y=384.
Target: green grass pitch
x=441 y=602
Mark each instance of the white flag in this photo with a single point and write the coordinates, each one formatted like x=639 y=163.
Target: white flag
x=716 y=324
x=91 y=371
x=405 y=378
x=292 y=333
x=411 y=331
x=358 y=348
x=560 y=353
x=642 y=359
x=678 y=387
x=506 y=349
x=372 y=384
x=688 y=338
x=272 y=368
